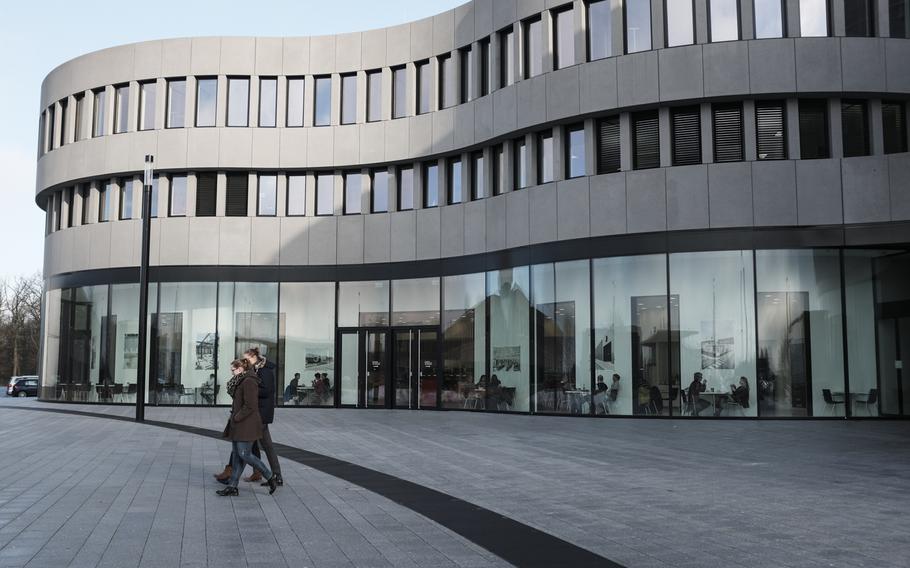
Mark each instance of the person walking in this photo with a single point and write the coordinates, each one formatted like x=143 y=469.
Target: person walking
x=265 y=370
x=244 y=427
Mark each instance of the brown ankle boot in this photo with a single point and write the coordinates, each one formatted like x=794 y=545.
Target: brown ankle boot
x=224 y=475
x=253 y=478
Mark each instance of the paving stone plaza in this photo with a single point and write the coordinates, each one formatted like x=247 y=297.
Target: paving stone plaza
x=101 y=491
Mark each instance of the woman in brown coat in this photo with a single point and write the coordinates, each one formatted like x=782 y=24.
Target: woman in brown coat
x=245 y=427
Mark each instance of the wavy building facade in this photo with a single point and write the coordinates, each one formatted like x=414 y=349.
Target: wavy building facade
x=514 y=206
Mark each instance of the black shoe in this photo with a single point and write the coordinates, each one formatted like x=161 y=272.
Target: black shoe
x=278 y=481
x=224 y=481
x=228 y=492
x=272 y=483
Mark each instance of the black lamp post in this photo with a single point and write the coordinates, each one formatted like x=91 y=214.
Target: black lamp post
x=144 y=286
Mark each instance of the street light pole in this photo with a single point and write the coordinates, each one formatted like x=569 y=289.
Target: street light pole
x=144 y=286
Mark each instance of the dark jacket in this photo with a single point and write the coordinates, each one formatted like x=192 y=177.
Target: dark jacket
x=267 y=392
x=741 y=395
x=245 y=424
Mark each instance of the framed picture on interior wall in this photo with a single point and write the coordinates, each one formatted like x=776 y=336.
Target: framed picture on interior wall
x=205 y=351
x=507 y=359
x=130 y=350
x=718 y=348
x=318 y=358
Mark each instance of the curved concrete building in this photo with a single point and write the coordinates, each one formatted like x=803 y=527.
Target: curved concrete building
x=613 y=207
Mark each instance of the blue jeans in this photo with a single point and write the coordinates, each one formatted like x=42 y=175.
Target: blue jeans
x=242 y=453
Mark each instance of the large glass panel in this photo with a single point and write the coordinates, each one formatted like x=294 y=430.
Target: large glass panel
x=399 y=92
x=374 y=96
x=349 y=368
x=176 y=103
x=800 y=333
x=376 y=367
x=532 y=48
x=352 y=191
x=348 y=99
x=405 y=189
x=147 y=105
x=565 y=38
x=769 y=19
x=84 y=314
x=380 y=191
x=506 y=57
x=562 y=316
x=53 y=326
x=423 y=87
x=306 y=344
x=268 y=101
x=464 y=344
x=295 y=101
x=724 y=20
x=325 y=194
x=545 y=157
x=98 y=110
x=680 y=23
x=184 y=345
x=638 y=25
x=415 y=301
x=431 y=185
x=813 y=18
x=715 y=296
x=121 y=108
x=508 y=293
x=632 y=354
x=268 y=195
x=600 y=29
x=206 y=101
x=122 y=335
x=296 y=195
x=455 y=181
x=363 y=304
x=247 y=317
x=178 y=196
x=575 y=151
x=322 y=109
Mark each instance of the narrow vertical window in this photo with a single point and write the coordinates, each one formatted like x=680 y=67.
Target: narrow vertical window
x=51 y=122
x=238 y=101
x=405 y=189
x=83 y=197
x=379 y=194
x=769 y=18
x=64 y=128
x=600 y=29
x=352 y=191
x=295 y=101
x=98 y=108
x=813 y=18
x=855 y=125
x=685 y=135
x=206 y=194
x=899 y=18
x=575 y=151
x=348 y=99
x=859 y=18
x=645 y=140
x=545 y=157
x=506 y=57
x=520 y=163
x=430 y=184
x=423 y=87
x=178 y=196
x=78 y=129
x=121 y=108
x=813 y=129
x=147 y=105
x=399 y=92
x=325 y=194
x=374 y=96
x=268 y=102
x=447 y=85
x=206 y=101
x=728 y=132
x=486 y=67
x=268 y=196
x=454 y=181
x=153 y=209
x=638 y=25
x=105 y=194
x=532 y=47
x=680 y=23
x=176 y=103
x=724 y=20
x=322 y=109
x=498 y=172
x=894 y=126
x=296 y=202
x=236 y=198
x=564 y=46
x=466 y=87
x=608 y=146
x=478 y=187
x=126 y=198
x=70 y=201
x=770 y=130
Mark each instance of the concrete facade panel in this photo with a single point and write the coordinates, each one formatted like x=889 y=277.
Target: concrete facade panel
x=818 y=192
x=867 y=193
x=774 y=193
x=646 y=201
x=687 y=197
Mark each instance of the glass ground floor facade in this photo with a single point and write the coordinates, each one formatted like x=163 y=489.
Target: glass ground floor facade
x=808 y=332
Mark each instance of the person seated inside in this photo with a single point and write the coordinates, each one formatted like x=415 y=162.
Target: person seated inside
x=738 y=394
x=614 y=386
x=601 y=386
x=482 y=382
x=644 y=398
x=290 y=391
x=494 y=392
x=326 y=388
x=696 y=387
x=318 y=388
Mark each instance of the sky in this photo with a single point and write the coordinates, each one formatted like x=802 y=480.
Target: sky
x=36 y=36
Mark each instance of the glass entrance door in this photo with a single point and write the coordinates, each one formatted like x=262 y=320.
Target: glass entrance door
x=363 y=368
x=415 y=365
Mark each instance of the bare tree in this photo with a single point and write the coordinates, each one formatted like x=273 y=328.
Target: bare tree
x=20 y=324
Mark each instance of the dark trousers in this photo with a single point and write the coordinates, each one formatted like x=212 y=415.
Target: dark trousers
x=268 y=447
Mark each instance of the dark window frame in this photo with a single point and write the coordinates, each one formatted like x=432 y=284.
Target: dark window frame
x=666 y=24
x=316 y=79
x=344 y=192
x=331 y=176
x=170 y=195
x=259 y=176
x=900 y=127
x=373 y=173
x=199 y=81
x=639 y=118
x=547 y=134
x=721 y=107
x=807 y=105
x=371 y=74
x=122 y=184
x=168 y=100
x=782 y=103
x=425 y=189
x=567 y=145
x=675 y=158
x=739 y=22
x=403 y=96
x=625 y=29
x=287 y=195
x=526 y=46
x=554 y=18
x=399 y=182
x=287 y=102
x=450 y=179
x=863 y=105
x=783 y=20
x=871 y=16
x=227 y=102
x=259 y=117
x=420 y=68
x=341 y=117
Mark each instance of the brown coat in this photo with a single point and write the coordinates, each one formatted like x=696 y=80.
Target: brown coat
x=245 y=424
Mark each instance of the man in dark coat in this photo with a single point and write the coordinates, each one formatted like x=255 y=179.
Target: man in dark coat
x=265 y=370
